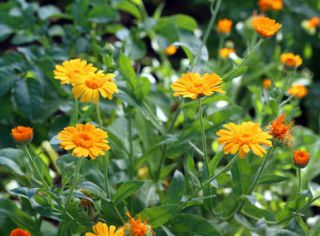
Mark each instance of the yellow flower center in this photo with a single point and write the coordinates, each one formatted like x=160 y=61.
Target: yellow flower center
x=93 y=84
x=83 y=140
x=244 y=139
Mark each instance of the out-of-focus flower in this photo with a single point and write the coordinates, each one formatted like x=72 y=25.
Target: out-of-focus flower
x=137 y=227
x=93 y=85
x=290 y=60
x=298 y=90
x=301 y=158
x=311 y=25
x=19 y=232
x=193 y=85
x=85 y=140
x=22 y=134
x=102 y=229
x=170 y=50
x=244 y=137
x=73 y=70
x=266 y=5
x=281 y=130
x=224 y=26
x=143 y=172
x=267 y=83
x=225 y=52
x=265 y=26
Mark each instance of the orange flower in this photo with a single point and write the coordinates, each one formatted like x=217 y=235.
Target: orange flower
x=314 y=22
x=225 y=52
x=22 y=134
x=242 y=138
x=171 y=50
x=290 y=60
x=136 y=227
x=192 y=85
x=19 y=232
x=265 y=26
x=266 y=5
x=298 y=91
x=281 y=130
x=267 y=83
x=300 y=158
x=224 y=26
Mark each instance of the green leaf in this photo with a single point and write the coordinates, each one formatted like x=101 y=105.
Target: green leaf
x=5 y=32
x=176 y=189
x=127 y=70
x=184 y=22
x=271 y=179
x=158 y=216
x=102 y=14
x=9 y=163
x=93 y=188
x=258 y=213
x=190 y=224
x=129 y=7
x=48 y=11
x=24 y=192
x=126 y=190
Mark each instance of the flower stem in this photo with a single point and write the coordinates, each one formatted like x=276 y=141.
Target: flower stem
x=75 y=115
x=131 y=159
x=74 y=181
x=99 y=116
x=299 y=180
x=204 y=140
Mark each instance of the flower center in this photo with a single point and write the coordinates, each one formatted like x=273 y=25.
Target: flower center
x=83 y=140
x=245 y=139
x=93 y=84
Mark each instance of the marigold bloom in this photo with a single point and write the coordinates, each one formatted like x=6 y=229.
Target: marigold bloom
x=314 y=22
x=290 y=60
x=102 y=229
x=225 y=52
x=171 y=50
x=266 y=5
x=73 y=70
x=298 y=91
x=242 y=138
x=19 y=232
x=85 y=140
x=22 y=134
x=137 y=227
x=281 y=130
x=93 y=85
x=224 y=26
x=300 y=158
x=192 y=85
x=267 y=83
x=265 y=26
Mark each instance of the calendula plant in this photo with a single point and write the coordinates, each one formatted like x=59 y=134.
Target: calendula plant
x=127 y=117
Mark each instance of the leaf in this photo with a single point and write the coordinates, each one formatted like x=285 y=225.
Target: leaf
x=184 y=22
x=176 y=189
x=24 y=192
x=271 y=179
x=129 y=7
x=102 y=14
x=189 y=224
x=158 y=216
x=4 y=161
x=48 y=11
x=258 y=213
x=5 y=32
x=93 y=188
x=126 y=190
x=127 y=70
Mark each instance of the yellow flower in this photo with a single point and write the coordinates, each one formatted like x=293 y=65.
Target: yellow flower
x=22 y=134
x=265 y=26
x=93 y=85
x=85 y=140
x=267 y=83
x=242 y=138
x=298 y=91
x=137 y=227
x=102 y=229
x=301 y=158
x=290 y=60
x=224 y=26
x=225 y=52
x=73 y=70
x=192 y=85
x=171 y=50
x=266 y=5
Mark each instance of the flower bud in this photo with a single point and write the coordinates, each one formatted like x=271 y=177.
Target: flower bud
x=22 y=135
x=301 y=158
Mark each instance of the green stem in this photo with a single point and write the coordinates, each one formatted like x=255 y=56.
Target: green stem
x=74 y=181
x=299 y=179
x=131 y=159
x=204 y=140
x=99 y=116
x=75 y=115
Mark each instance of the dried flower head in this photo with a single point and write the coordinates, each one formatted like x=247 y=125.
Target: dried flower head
x=265 y=26
x=290 y=60
x=22 y=134
x=281 y=130
x=224 y=26
x=301 y=158
x=298 y=90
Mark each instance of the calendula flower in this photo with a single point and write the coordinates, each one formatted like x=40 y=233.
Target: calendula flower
x=93 y=85
x=265 y=26
x=314 y=22
x=290 y=60
x=301 y=158
x=192 y=85
x=102 y=229
x=73 y=70
x=85 y=140
x=19 y=232
x=267 y=83
x=244 y=137
x=137 y=227
x=225 y=52
x=171 y=50
x=281 y=130
x=266 y=5
x=22 y=134
x=298 y=91
x=224 y=26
